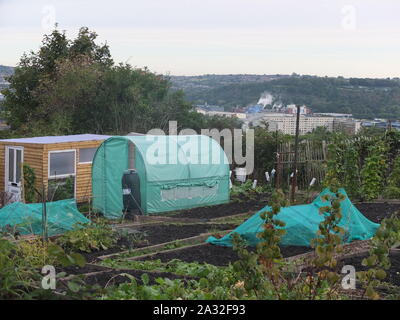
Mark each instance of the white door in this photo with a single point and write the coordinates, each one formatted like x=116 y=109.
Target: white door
x=14 y=159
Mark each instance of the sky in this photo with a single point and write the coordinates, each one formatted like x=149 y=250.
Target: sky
x=350 y=38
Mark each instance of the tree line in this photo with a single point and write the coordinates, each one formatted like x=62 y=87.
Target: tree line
x=72 y=86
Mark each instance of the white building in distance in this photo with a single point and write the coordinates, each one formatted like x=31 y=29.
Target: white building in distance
x=239 y=115
x=286 y=123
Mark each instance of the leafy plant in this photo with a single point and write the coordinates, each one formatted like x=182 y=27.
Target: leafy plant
x=393 y=184
x=88 y=238
x=35 y=253
x=373 y=171
x=134 y=239
x=29 y=183
x=16 y=275
x=264 y=274
x=245 y=191
x=60 y=189
x=386 y=238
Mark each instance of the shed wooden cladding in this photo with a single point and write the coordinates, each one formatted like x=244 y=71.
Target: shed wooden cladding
x=36 y=155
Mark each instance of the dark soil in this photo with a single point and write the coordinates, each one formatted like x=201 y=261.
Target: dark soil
x=376 y=212
x=115 y=277
x=393 y=274
x=223 y=210
x=163 y=233
x=88 y=268
x=216 y=255
x=157 y=234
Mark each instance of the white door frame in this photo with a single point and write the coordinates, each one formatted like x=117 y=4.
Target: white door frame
x=7 y=166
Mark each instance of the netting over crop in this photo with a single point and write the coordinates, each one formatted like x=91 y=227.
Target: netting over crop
x=24 y=218
x=302 y=223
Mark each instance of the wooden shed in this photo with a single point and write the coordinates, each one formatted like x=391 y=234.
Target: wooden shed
x=54 y=159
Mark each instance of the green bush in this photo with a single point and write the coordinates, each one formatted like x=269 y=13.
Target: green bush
x=88 y=238
x=35 y=253
x=29 y=184
x=16 y=275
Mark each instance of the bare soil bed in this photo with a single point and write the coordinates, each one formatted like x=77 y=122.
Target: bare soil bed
x=110 y=277
x=212 y=254
x=376 y=212
x=220 y=256
x=223 y=210
x=393 y=274
x=216 y=255
x=160 y=233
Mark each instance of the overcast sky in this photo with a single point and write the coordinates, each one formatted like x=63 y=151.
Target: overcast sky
x=191 y=37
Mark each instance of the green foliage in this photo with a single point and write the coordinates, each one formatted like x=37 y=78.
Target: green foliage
x=212 y=283
x=265 y=146
x=63 y=258
x=16 y=275
x=60 y=189
x=88 y=238
x=329 y=235
x=29 y=184
x=364 y=165
x=386 y=238
x=73 y=86
x=264 y=274
x=22 y=101
x=373 y=171
x=135 y=239
x=393 y=183
x=35 y=253
x=245 y=191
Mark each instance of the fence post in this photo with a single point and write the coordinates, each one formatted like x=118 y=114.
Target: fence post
x=44 y=215
x=296 y=146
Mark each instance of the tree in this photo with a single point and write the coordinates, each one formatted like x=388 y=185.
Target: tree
x=73 y=86
x=37 y=69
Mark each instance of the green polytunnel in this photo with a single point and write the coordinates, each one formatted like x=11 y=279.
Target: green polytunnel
x=175 y=172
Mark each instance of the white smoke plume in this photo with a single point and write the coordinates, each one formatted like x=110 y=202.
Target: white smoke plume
x=266 y=99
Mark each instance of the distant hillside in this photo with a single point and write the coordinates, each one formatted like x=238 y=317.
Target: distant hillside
x=197 y=88
x=365 y=98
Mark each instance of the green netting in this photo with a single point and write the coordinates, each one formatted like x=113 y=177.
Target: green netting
x=302 y=223
x=175 y=172
x=24 y=218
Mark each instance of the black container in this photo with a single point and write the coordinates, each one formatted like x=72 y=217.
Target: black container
x=131 y=191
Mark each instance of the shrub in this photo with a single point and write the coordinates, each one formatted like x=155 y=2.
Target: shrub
x=16 y=275
x=29 y=184
x=88 y=238
x=35 y=253
x=393 y=185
